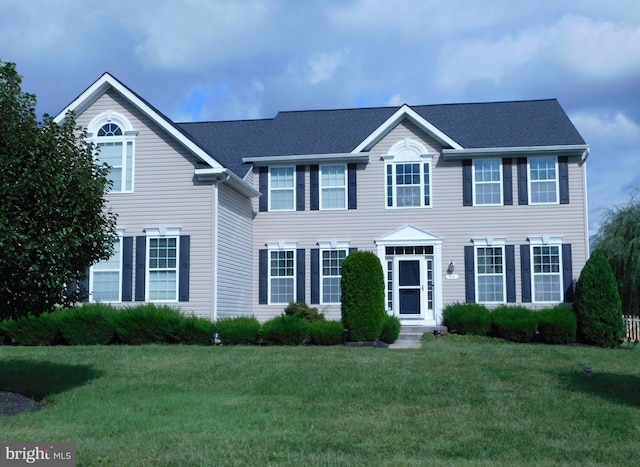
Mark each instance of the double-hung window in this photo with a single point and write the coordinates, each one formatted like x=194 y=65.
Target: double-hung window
x=546 y=263
x=490 y=272
x=162 y=267
x=408 y=175
x=333 y=186
x=543 y=180
x=331 y=275
x=487 y=182
x=282 y=276
x=282 y=188
x=106 y=277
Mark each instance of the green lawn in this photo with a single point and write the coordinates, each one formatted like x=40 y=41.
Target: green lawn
x=455 y=401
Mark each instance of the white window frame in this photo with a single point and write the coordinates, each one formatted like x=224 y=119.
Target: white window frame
x=322 y=187
x=155 y=234
x=274 y=189
x=128 y=141
x=407 y=151
x=477 y=182
x=120 y=233
x=490 y=242
x=532 y=182
x=279 y=248
x=546 y=241
x=330 y=246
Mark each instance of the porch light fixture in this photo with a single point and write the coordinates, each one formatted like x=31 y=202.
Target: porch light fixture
x=451 y=268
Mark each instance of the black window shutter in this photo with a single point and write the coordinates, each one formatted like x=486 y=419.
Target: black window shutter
x=563 y=180
x=525 y=272
x=141 y=266
x=183 y=274
x=83 y=285
x=127 y=269
x=315 y=276
x=469 y=274
x=352 y=191
x=507 y=182
x=263 y=187
x=467 y=182
x=263 y=276
x=300 y=200
x=352 y=249
x=567 y=272
x=510 y=263
x=523 y=189
x=314 y=188
x=300 y=275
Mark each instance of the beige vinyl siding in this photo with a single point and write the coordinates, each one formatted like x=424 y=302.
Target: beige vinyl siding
x=165 y=194
x=446 y=218
x=235 y=254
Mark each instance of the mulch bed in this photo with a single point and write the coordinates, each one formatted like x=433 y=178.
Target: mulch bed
x=12 y=403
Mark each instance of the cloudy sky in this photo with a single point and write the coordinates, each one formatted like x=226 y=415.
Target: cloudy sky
x=240 y=59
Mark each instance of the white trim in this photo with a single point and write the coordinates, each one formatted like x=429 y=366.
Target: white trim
x=102 y=85
x=160 y=233
x=320 y=158
x=293 y=188
x=490 y=242
x=329 y=246
x=280 y=247
x=120 y=233
x=345 y=187
x=530 y=181
x=405 y=112
x=581 y=150
x=474 y=182
x=223 y=175
x=542 y=241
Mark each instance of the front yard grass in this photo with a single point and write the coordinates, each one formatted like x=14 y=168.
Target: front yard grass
x=455 y=401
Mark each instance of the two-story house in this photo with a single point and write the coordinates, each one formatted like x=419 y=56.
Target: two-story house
x=482 y=202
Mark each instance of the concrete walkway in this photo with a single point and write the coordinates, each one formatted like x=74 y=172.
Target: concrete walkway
x=411 y=336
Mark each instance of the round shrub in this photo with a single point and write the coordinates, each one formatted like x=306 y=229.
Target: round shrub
x=390 y=329
x=467 y=318
x=363 y=301
x=285 y=330
x=304 y=311
x=514 y=323
x=557 y=325
x=597 y=303
x=241 y=330
x=323 y=332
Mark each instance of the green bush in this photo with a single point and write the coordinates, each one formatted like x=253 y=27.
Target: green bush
x=147 y=324
x=33 y=330
x=304 y=311
x=597 y=304
x=323 y=332
x=285 y=330
x=390 y=329
x=241 y=330
x=557 y=325
x=363 y=300
x=514 y=323
x=195 y=330
x=89 y=324
x=467 y=318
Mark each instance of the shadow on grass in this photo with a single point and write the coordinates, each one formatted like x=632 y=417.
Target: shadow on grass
x=38 y=379
x=620 y=388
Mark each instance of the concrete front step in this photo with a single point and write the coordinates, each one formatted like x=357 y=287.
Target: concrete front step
x=411 y=336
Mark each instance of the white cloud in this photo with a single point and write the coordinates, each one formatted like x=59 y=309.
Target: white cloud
x=322 y=67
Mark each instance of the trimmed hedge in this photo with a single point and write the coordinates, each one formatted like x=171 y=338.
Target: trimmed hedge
x=285 y=330
x=304 y=311
x=390 y=329
x=238 y=331
x=363 y=301
x=467 y=318
x=514 y=323
x=323 y=332
x=557 y=325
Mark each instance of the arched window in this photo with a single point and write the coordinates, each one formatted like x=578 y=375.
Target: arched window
x=115 y=142
x=408 y=175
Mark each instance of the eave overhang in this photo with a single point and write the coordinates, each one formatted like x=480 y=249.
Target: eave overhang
x=223 y=175
x=307 y=158
x=581 y=150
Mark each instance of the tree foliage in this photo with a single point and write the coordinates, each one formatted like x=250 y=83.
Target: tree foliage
x=619 y=239
x=53 y=219
x=597 y=303
x=363 y=302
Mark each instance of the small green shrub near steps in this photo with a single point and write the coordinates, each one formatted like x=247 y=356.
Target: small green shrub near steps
x=285 y=330
x=390 y=329
x=514 y=323
x=304 y=311
x=467 y=318
x=323 y=332
x=241 y=330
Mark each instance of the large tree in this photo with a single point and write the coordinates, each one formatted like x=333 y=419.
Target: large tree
x=53 y=218
x=619 y=239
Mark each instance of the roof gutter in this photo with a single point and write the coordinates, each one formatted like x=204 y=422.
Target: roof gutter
x=576 y=149
x=335 y=157
x=225 y=175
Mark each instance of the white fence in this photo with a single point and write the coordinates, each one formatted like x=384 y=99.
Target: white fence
x=633 y=328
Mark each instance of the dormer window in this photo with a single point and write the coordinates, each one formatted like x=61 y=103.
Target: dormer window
x=408 y=175
x=115 y=140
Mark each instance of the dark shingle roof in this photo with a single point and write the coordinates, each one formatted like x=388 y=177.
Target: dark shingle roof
x=477 y=125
